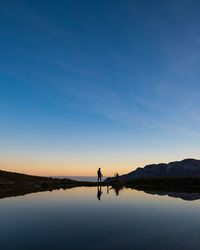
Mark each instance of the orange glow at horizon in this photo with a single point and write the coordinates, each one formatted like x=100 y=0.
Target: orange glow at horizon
x=83 y=166
x=58 y=168
x=65 y=170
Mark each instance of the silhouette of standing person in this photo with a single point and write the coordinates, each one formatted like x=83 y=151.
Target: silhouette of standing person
x=99 y=174
x=99 y=192
x=117 y=177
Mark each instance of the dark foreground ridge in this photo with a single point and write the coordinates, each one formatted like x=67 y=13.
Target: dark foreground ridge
x=184 y=169
x=16 y=181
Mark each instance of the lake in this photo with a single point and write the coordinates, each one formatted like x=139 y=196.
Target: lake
x=90 y=218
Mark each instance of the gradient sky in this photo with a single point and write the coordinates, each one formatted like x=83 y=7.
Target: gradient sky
x=88 y=84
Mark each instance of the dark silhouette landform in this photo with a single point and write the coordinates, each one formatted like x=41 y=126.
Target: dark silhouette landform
x=178 y=174
x=177 y=169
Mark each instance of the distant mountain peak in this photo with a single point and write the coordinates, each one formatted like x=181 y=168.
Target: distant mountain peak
x=185 y=168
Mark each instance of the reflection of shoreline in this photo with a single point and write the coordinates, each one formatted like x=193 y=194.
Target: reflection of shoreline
x=5 y=193
x=184 y=194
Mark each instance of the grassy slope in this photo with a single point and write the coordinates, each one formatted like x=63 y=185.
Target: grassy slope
x=16 y=180
x=10 y=179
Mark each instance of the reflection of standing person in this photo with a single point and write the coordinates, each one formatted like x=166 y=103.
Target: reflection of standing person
x=107 y=189
x=99 y=192
x=99 y=174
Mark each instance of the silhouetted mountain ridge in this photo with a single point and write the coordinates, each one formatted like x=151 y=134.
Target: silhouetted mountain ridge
x=184 y=168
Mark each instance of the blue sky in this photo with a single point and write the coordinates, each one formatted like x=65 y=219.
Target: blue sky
x=85 y=84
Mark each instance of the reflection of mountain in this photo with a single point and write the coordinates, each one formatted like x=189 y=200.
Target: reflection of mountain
x=187 y=196
x=185 y=168
x=184 y=195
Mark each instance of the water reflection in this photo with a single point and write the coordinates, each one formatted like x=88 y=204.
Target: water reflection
x=99 y=192
x=187 y=195
x=183 y=196
x=107 y=189
x=116 y=190
x=121 y=218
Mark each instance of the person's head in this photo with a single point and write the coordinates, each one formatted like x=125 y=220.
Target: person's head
x=99 y=168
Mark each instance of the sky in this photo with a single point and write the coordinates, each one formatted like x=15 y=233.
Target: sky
x=88 y=84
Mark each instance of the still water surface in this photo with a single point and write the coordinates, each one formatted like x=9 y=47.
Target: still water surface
x=77 y=219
